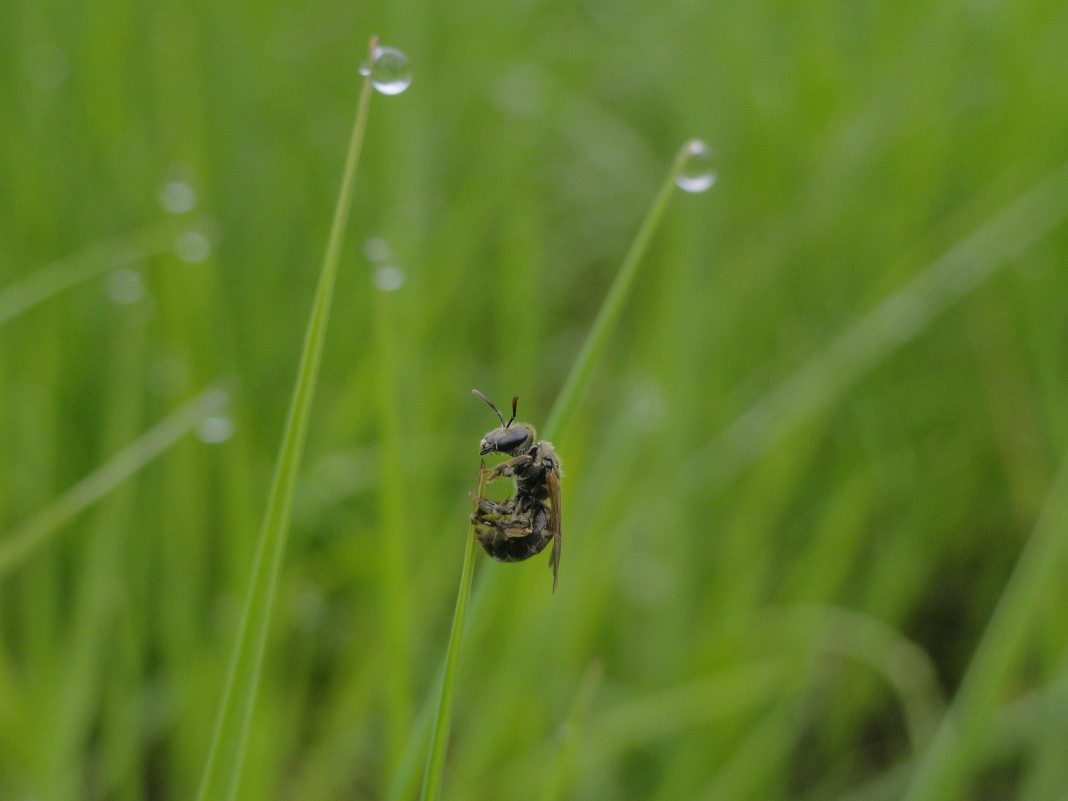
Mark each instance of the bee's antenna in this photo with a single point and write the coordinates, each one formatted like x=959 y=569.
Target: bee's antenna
x=515 y=402
x=478 y=394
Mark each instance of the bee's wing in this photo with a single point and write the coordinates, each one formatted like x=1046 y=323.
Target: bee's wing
x=553 y=480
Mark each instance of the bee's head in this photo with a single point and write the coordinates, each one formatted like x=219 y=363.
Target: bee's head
x=511 y=438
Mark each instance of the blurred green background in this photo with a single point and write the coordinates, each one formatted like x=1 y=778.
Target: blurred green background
x=768 y=589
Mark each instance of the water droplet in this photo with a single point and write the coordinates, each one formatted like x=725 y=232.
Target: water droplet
x=376 y=249
x=177 y=197
x=192 y=247
x=389 y=278
x=215 y=429
x=389 y=70
x=648 y=406
x=695 y=172
x=125 y=286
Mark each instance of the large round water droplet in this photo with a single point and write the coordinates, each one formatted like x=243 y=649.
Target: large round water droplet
x=125 y=286
x=696 y=173
x=215 y=429
x=192 y=247
x=389 y=70
x=177 y=197
x=376 y=249
x=389 y=278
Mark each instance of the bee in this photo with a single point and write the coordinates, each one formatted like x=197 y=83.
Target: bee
x=520 y=527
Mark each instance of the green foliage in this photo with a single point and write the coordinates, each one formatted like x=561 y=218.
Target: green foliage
x=799 y=480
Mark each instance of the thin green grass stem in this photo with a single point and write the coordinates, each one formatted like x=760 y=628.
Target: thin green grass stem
x=95 y=602
x=439 y=742
x=823 y=630
x=404 y=783
x=561 y=765
x=226 y=755
x=612 y=307
x=53 y=278
x=562 y=412
x=23 y=542
x=898 y=319
x=393 y=564
x=943 y=765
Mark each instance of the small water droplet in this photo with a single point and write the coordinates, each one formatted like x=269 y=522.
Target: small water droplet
x=215 y=429
x=192 y=247
x=696 y=173
x=389 y=278
x=648 y=406
x=389 y=70
x=125 y=286
x=177 y=197
x=376 y=249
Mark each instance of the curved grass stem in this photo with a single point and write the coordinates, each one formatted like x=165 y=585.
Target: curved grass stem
x=612 y=307
x=942 y=768
x=435 y=765
x=226 y=756
x=562 y=412
x=51 y=279
x=25 y=541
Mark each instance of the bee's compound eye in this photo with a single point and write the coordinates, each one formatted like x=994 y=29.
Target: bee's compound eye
x=512 y=440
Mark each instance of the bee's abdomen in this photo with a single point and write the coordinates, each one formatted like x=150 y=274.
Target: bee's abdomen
x=512 y=549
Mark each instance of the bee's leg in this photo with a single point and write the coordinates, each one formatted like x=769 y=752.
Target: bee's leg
x=507 y=526
x=506 y=469
x=502 y=470
x=487 y=532
x=493 y=534
x=539 y=521
x=495 y=521
x=487 y=507
x=518 y=526
x=496 y=529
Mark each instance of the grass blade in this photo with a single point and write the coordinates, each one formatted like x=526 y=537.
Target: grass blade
x=435 y=765
x=226 y=756
x=612 y=307
x=943 y=765
x=567 y=738
x=393 y=563
x=21 y=544
x=896 y=320
x=59 y=275
x=563 y=410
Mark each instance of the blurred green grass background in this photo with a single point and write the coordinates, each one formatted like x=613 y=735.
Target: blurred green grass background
x=789 y=623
